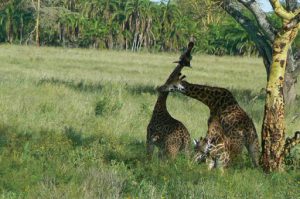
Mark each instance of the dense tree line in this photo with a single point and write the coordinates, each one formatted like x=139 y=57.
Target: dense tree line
x=129 y=24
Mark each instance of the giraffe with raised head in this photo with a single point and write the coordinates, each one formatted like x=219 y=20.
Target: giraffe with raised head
x=226 y=116
x=164 y=131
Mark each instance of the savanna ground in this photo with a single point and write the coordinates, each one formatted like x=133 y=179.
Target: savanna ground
x=73 y=125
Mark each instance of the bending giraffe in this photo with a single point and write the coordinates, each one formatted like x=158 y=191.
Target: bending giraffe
x=225 y=115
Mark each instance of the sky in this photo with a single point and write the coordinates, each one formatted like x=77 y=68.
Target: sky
x=264 y=3
x=266 y=6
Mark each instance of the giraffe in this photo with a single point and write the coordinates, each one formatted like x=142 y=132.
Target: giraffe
x=226 y=116
x=163 y=131
x=215 y=148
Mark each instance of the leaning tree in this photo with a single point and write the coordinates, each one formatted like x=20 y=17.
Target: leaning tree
x=282 y=67
x=274 y=147
x=249 y=14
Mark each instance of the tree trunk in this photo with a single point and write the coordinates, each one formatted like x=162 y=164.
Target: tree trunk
x=37 y=36
x=273 y=130
x=263 y=33
x=21 y=30
x=10 y=31
x=76 y=31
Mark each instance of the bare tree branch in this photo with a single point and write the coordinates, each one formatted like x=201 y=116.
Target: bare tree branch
x=260 y=17
x=297 y=11
x=281 y=11
x=293 y=23
x=262 y=43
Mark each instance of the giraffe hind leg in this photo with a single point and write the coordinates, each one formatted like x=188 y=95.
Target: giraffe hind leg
x=185 y=147
x=253 y=151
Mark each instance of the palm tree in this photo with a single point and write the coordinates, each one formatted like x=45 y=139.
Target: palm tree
x=12 y=19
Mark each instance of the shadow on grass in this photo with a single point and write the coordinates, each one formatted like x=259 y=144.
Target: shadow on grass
x=78 y=86
x=130 y=153
x=141 y=89
x=3 y=136
x=76 y=137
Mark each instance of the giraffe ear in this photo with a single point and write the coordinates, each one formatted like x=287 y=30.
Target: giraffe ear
x=182 y=77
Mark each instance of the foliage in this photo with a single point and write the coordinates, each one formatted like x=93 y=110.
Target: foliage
x=131 y=25
x=229 y=38
x=54 y=145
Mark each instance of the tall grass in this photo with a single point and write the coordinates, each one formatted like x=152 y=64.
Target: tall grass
x=73 y=125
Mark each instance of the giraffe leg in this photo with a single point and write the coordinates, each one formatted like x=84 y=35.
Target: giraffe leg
x=253 y=151
x=186 y=144
x=161 y=154
x=172 y=151
x=224 y=159
x=211 y=163
x=150 y=149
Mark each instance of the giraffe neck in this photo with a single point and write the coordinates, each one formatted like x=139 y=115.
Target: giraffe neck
x=214 y=97
x=161 y=104
x=175 y=73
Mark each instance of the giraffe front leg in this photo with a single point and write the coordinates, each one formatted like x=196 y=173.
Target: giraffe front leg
x=150 y=149
x=161 y=154
x=211 y=162
x=222 y=162
x=186 y=149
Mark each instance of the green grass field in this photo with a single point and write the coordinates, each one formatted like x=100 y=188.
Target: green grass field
x=73 y=125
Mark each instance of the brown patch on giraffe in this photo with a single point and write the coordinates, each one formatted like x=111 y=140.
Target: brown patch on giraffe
x=282 y=63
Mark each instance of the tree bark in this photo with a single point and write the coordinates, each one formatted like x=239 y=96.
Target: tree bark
x=21 y=30
x=10 y=35
x=37 y=28
x=273 y=129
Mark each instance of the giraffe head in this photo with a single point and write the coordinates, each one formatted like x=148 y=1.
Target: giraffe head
x=202 y=148
x=173 y=84
x=186 y=57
